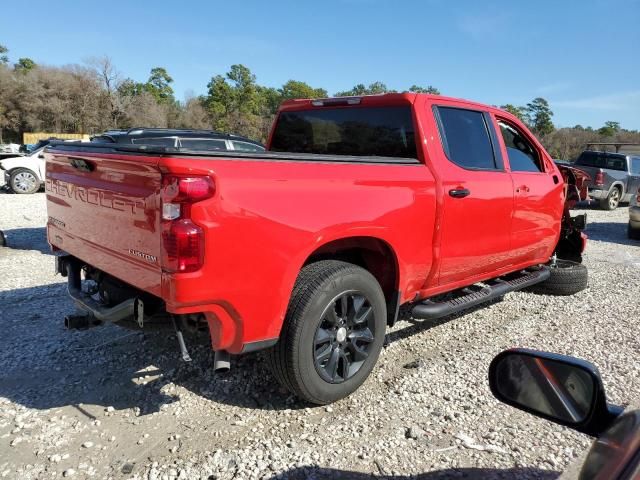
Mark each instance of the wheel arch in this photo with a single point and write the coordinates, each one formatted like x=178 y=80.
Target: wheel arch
x=619 y=185
x=374 y=255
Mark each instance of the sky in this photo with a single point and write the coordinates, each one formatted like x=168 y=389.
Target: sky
x=582 y=56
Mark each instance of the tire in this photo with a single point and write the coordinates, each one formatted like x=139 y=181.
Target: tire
x=317 y=331
x=23 y=181
x=3 y=240
x=566 y=278
x=612 y=201
x=633 y=233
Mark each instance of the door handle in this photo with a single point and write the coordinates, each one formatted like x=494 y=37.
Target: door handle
x=459 y=192
x=81 y=164
x=522 y=188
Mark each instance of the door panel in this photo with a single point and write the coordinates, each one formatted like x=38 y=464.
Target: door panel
x=477 y=197
x=538 y=190
x=475 y=228
x=536 y=216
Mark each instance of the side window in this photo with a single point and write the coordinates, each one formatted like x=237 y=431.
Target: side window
x=523 y=157
x=161 y=141
x=246 y=146
x=635 y=165
x=465 y=138
x=203 y=144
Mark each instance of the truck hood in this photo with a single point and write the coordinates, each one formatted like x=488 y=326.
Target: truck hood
x=13 y=162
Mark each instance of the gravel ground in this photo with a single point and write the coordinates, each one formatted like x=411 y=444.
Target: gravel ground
x=112 y=403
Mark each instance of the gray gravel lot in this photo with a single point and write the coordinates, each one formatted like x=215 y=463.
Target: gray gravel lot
x=113 y=403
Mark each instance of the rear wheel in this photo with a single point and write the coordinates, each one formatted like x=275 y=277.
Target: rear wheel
x=612 y=201
x=633 y=233
x=333 y=332
x=24 y=181
x=566 y=278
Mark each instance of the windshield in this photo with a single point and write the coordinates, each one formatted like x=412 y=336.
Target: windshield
x=380 y=131
x=36 y=152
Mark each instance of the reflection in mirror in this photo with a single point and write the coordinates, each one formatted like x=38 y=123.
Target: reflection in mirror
x=559 y=390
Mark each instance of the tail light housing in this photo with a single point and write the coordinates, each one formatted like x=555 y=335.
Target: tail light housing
x=638 y=197
x=599 y=180
x=182 y=239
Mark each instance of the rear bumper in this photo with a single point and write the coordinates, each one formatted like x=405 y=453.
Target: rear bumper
x=131 y=308
x=226 y=327
x=598 y=193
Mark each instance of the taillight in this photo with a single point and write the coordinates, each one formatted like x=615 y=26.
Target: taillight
x=599 y=180
x=183 y=240
x=638 y=197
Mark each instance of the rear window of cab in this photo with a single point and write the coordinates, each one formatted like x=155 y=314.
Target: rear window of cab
x=366 y=131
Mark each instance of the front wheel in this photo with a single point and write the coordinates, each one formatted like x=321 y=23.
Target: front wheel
x=333 y=332
x=24 y=181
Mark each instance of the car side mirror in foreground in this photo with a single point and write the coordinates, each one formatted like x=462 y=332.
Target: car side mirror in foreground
x=563 y=389
x=41 y=155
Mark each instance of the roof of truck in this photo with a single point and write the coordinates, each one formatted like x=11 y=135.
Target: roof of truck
x=384 y=99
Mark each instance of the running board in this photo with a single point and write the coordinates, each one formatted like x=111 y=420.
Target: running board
x=477 y=294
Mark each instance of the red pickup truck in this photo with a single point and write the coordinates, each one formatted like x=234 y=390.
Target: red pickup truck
x=359 y=206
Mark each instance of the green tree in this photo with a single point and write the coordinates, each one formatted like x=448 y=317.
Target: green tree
x=360 y=89
x=429 y=89
x=538 y=114
x=296 y=89
x=609 y=129
x=518 y=112
x=235 y=102
x=24 y=65
x=130 y=88
x=270 y=99
x=219 y=102
x=4 y=58
x=159 y=85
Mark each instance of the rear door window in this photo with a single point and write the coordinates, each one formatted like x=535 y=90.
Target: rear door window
x=366 y=131
x=635 y=165
x=523 y=156
x=466 y=139
x=246 y=146
x=160 y=141
x=203 y=144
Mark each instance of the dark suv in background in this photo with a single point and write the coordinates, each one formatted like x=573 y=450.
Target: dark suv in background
x=180 y=138
x=615 y=176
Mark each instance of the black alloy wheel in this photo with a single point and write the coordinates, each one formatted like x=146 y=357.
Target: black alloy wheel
x=344 y=337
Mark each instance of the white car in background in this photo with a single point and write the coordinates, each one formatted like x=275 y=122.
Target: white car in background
x=24 y=174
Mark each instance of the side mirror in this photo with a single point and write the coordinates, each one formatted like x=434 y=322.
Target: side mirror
x=563 y=389
x=41 y=155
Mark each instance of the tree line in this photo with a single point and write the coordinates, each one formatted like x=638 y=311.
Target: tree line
x=94 y=97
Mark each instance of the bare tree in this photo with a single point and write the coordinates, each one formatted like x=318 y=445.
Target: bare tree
x=110 y=79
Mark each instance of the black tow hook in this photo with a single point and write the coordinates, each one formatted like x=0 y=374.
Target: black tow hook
x=81 y=322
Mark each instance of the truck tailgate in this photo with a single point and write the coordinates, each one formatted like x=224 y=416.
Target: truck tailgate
x=105 y=210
